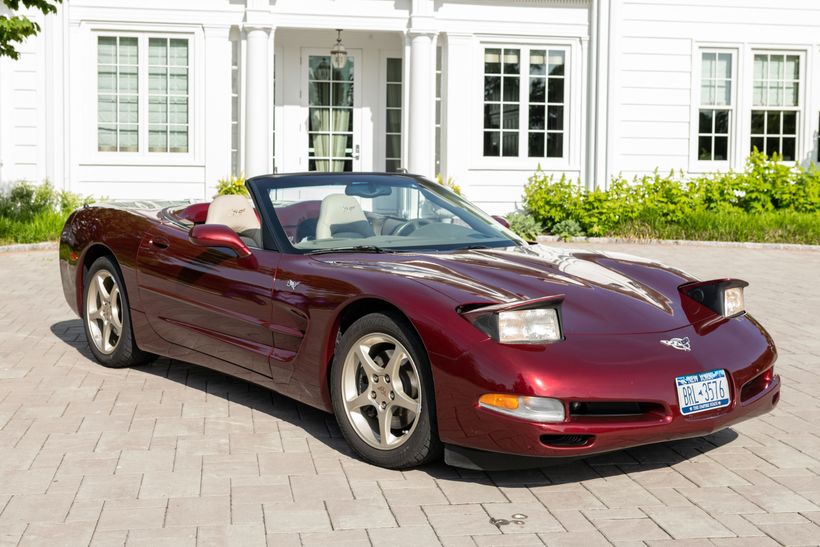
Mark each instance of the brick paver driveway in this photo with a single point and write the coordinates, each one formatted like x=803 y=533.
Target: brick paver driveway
x=174 y=453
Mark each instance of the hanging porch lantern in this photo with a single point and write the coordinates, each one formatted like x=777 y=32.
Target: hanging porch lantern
x=338 y=55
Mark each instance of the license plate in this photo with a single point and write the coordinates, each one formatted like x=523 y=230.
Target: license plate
x=703 y=391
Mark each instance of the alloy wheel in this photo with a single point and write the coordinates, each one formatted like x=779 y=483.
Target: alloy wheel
x=104 y=311
x=381 y=391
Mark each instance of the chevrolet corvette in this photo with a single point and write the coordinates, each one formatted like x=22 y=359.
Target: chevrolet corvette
x=426 y=326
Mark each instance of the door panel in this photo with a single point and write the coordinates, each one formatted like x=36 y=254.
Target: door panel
x=208 y=300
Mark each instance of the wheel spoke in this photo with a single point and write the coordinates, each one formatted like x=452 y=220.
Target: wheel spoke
x=361 y=400
x=403 y=400
x=106 y=336
x=105 y=296
x=385 y=419
x=95 y=314
x=392 y=367
x=369 y=365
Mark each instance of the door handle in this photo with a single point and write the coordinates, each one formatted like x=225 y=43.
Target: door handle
x=356 y=152
x=159 y=242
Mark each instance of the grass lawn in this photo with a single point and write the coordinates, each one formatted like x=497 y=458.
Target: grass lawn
x=771 y=227
x=43 y=226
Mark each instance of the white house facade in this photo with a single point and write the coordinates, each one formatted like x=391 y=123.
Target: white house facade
x=162 y=98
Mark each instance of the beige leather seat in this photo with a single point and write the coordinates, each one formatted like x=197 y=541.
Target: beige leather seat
x=341 y=216
x=237 y=213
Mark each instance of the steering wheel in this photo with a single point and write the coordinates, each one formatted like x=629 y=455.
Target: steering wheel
x=410 y=226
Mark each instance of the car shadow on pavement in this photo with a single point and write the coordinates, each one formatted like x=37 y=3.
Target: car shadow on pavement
x=322 y=426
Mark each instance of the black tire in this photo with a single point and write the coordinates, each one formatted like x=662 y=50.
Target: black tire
x=421 y=444
x=124 y=352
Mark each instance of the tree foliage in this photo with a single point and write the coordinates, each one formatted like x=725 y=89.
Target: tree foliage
x=16 y=28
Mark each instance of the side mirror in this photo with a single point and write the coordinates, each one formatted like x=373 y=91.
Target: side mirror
x=218 y=235
x=501 y=220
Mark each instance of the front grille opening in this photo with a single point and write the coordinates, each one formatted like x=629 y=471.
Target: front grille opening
x=756 y=385
x=564 y=441
x=587 y=409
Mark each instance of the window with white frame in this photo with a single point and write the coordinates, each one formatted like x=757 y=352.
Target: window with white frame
x=776 y=99
x=529 y=120
x=716 y=105
x=123 y=105
x=392 y=127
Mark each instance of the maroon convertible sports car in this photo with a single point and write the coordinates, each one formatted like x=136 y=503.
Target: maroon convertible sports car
x=423 y=324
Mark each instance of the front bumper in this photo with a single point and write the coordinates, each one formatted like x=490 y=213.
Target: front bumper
x=633 y=368
x=526 y=444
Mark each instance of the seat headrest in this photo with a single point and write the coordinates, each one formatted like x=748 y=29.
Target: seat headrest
x=234 y=211
x=340 y=212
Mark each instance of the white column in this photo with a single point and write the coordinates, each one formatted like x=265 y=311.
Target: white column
x=421 y=149
x=459 y=87
x=257 y=106
x=217 y=119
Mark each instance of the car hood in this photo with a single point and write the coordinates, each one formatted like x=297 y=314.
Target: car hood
x=604 y=293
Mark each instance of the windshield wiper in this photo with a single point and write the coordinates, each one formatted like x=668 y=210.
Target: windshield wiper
x=352 y=249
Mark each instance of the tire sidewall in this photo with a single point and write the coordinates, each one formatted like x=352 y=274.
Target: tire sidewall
x=120 y=356
x=423 y=444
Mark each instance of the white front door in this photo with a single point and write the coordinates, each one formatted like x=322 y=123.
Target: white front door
x=331 y=98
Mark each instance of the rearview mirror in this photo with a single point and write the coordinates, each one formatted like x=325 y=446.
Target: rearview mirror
x=218 y=235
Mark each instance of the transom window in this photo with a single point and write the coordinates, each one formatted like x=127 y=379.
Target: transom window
x=125 y=99
x=716 y=106
x=528 y=120
x=776 y=98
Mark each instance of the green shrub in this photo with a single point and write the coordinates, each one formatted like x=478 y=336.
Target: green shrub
x=525 y=225
x=235 y=184
x=765 y=185
x=30 y=213
x=567 y=229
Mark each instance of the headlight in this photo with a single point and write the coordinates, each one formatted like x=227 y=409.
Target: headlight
x=528 y=326
x=534 y=409
x=733 y=302
x=536 y=321
x=723 y=296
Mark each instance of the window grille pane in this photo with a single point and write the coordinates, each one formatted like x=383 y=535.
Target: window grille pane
x=723 y=66
x=557 y=61
x=511 y=61
x=707 y=66
x=492 y=140
x=157 y=51
x=721 y=122
x=721 y=148
x=510 y=143
x=178 y=52
x=536 y=145
x=107 y=50
x=705 y=148
x=555 y=145
x=128 y=51
x=492 y=61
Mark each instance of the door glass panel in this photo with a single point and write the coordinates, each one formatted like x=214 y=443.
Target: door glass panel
x=330 y=115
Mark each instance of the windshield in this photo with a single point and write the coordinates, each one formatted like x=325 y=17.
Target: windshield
x=378 y=213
